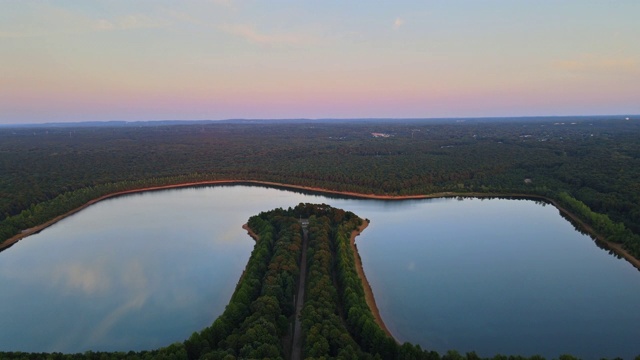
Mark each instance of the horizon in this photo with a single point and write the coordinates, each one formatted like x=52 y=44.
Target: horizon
x=73 y=61
x=99 y=123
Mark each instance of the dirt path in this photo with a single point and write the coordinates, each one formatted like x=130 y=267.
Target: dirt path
x=296 y=343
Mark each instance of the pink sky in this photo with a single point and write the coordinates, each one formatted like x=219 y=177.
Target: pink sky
x=105 y=60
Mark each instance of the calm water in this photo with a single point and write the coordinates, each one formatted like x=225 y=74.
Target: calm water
x=494 y=276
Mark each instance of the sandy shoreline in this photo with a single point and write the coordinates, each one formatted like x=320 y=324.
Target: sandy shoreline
x=253 y=235
x=368 y=292
x=617 y=248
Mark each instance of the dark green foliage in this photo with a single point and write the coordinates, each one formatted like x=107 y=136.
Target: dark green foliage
x=171 y=352
x=325 y=332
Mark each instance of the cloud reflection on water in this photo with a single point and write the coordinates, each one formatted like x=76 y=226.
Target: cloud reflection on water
x=89 y=278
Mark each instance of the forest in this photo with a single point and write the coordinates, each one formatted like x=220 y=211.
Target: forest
x=589 y=166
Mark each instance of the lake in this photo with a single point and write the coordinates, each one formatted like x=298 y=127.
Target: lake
x=491 y=275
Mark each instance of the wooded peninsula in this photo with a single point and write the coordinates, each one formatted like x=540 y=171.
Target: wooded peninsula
x=588 y=166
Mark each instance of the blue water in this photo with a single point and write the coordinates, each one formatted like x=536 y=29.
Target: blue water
x=493 y=276
x=499 y=276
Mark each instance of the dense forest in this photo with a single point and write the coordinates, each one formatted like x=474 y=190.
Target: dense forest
x=257 y=323
x=590 y=166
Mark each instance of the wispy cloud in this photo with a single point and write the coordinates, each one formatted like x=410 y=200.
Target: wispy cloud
x=87 y=278
x=397 y=23
x=250 y=34
x=49 y=20
x=225 y=3
x=134 y=21
x=136 y=283
x=184 y=17
x=45 y=20
x=17 y=34
x=589 y=63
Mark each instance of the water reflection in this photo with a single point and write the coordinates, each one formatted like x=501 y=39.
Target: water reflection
x=499 y=276
x=136 y=272
x=90 y=279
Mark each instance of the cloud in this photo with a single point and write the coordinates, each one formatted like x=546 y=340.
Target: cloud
x=16 y=34
x=44 y=20
x=50 y=21
x=110 y=320
x=225 y=3
x=397 y=23
x=90 y=279
x=591 y=63
x=184 y=17
x=250 y=34
x=137 y=290
x=134 y=21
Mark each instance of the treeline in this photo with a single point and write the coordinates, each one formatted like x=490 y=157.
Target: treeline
x=602 y=224
x=173 y=352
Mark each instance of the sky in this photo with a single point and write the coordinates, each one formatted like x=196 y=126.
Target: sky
x=138 y=60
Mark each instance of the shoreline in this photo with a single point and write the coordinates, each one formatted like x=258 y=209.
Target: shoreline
x=255 y=238
x=368 y=292
x=253 y=235
x=616 y=248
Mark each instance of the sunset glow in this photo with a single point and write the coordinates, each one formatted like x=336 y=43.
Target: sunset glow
x=101 y=60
